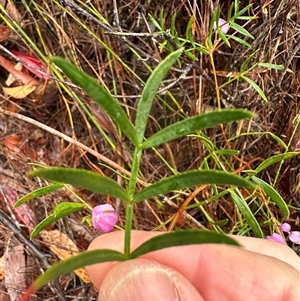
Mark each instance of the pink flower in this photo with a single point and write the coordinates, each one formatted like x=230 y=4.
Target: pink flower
x=295 y=237
x=285 y=227
x=104 y=217
x=224 y=26
x=276 y=237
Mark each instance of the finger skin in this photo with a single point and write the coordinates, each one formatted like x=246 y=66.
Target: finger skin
x=220 y=272
x=146 y=280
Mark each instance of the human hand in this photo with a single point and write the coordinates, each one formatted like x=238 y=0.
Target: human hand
x=262 y=270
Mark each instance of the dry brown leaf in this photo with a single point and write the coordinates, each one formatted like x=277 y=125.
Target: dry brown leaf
x=20 y=91
x=12 y=11
x=63 y=247
x=12 y=142
x=16 y=146
x=15 y=276
x=24 y=214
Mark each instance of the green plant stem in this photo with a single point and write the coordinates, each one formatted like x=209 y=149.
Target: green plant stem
x=211 y=58
x=131 y=190
x=128 y=224
x=134 y=172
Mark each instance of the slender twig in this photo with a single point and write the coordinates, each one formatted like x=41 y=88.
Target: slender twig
x=182 y=76
x=116 y=14
x=72 y=141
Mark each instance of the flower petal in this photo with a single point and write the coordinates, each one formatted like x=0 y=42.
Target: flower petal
x=295 y=237
x=224 y=26
x=285 y=227
x=104 y=217
x=276 y=237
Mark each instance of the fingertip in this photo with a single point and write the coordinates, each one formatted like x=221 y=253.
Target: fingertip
x=147 y=280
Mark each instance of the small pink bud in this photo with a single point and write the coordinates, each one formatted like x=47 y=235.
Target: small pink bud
x=295 y=237
x=276 y=237
x=224 y=26
x=104 y=217
x=285 y=227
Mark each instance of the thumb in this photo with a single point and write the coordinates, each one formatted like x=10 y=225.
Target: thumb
x=143 y=280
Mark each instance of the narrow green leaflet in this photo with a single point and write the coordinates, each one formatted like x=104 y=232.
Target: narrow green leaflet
x=194 y=124
x=255 y=87
x=245 y=18
x=239 y=40
x=275 y=159
x=248 y=215
x=100 y=95
x=189 y=53
x=278 y=140
x=189 y=179
x=61 y=210
x=221 y=223
x=227 y=152
x=229 y=13
x=173 y=26
x=273 y=194
x=83 y=178
x=272 y=66
x=215 y=19
x=37 y=193
x=242 y=11
x=189 y=31
x=155 y=23
x=181 y=238
x=241 y=30
x=223 y=37
x=149 y=92
x=75 y=262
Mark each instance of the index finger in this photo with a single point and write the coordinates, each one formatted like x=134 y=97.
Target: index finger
x=196 y=262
